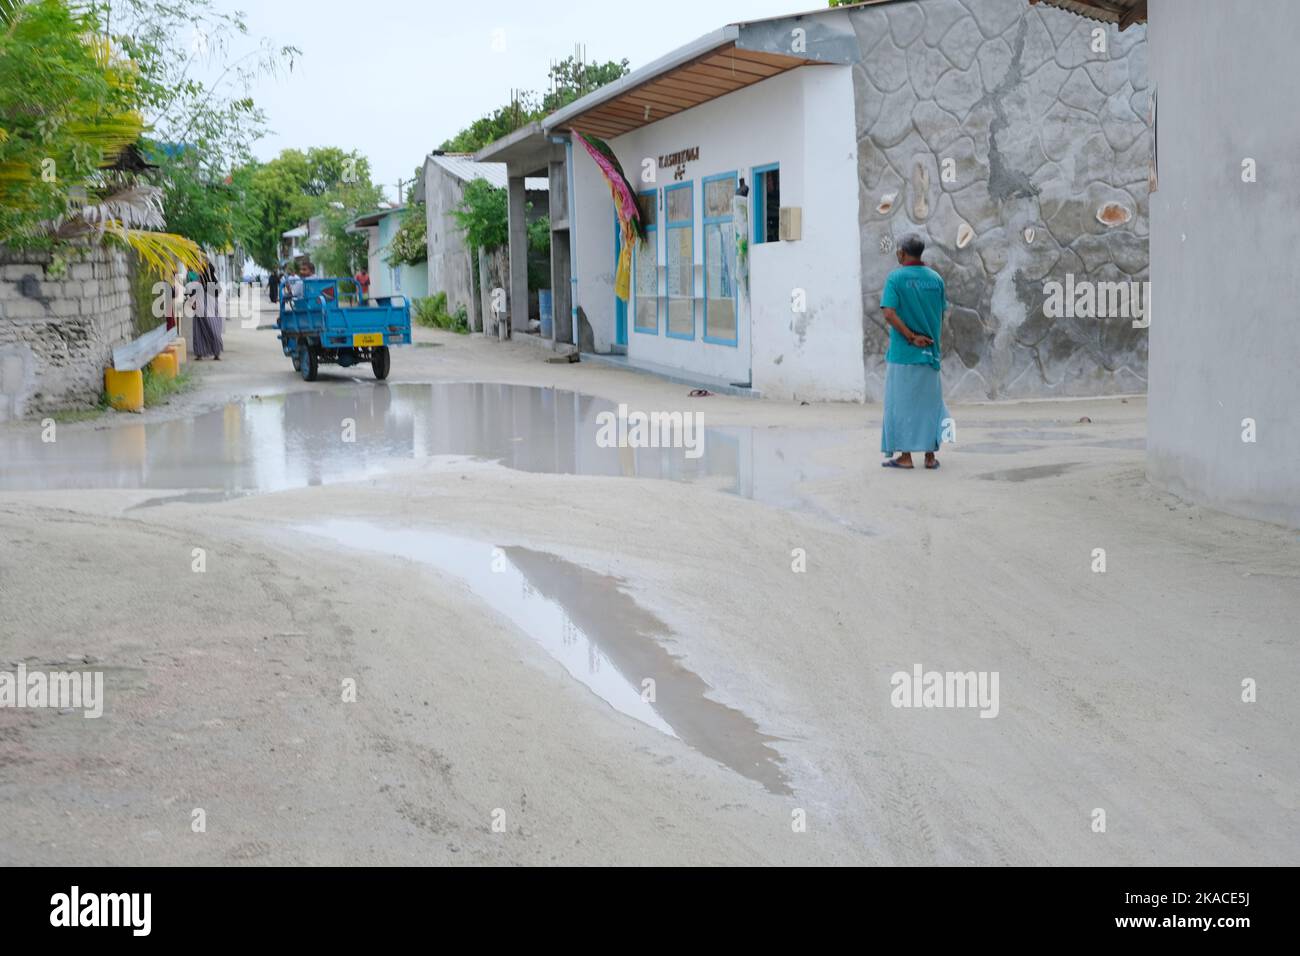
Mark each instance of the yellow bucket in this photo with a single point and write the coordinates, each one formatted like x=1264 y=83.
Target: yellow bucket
x=125 y=390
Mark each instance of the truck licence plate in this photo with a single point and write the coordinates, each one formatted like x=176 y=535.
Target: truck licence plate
x=362 y=339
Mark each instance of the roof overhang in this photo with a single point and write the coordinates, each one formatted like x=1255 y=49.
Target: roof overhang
x=526 y=152
x=721 y=62
x=1123 y=13
x=374 y=217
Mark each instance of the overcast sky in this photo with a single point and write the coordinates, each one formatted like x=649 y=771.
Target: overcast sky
x=394 y=78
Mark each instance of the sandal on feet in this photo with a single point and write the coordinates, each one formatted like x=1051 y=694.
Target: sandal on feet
x=893 y=463
x=932 y=465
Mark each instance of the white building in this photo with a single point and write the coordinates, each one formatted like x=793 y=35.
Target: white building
x=778 y=162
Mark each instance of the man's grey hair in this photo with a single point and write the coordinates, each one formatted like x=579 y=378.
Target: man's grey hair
x=912 y=245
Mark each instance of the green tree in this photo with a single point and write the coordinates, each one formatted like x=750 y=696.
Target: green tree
x=500 y=122
x=67 y=109
x=483 y=216
x=572 y=79
x=200 y=131
x=288 y=190
x=70 y=106
x=341 y=251
x=409 y=245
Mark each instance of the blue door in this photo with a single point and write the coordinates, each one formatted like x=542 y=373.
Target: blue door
x=620 y=307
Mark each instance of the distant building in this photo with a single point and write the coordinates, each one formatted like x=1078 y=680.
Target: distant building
x=293 y=244
x=451 y=263
x=409 y=280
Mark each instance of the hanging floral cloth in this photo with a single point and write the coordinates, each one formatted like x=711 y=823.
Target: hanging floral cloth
x=625 y=208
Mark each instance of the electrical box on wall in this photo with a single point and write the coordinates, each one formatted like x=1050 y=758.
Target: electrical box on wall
x=791 y=229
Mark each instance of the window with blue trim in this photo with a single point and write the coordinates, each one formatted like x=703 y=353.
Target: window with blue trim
x=679 y=213
x=719 y=260
x=767 y=203
x=645 y=290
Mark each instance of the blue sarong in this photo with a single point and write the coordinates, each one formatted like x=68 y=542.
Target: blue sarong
x=914 y=409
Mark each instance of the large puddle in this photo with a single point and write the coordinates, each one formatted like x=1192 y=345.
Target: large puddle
x=347 y=433
x=594 y=629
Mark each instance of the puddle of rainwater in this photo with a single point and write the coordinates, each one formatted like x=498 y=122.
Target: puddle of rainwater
x=594 y=629
x=299 y=439
x=1029 y=474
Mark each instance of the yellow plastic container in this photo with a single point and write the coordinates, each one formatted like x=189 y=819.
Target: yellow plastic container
x=125 y=390
x=164 y=365
x=182 y=354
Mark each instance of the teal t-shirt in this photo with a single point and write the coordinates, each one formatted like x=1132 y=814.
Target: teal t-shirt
x=916 y=293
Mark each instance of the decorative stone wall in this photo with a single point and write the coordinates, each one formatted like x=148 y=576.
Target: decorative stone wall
x=57 y=334
x=1048 y=155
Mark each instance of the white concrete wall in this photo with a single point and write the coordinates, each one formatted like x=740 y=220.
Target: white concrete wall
x=802 y=120
x=1225 y=272
x=449 y=266
x=816 y=354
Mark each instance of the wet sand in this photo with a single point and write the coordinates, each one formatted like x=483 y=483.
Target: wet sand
x=226 y=687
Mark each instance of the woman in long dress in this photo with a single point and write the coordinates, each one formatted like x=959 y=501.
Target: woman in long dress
x=206 y=303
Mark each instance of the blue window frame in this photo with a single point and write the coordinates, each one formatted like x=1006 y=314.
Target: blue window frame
x=679 y=260
x=645 y=268
x=720 y=302
x=767 y=203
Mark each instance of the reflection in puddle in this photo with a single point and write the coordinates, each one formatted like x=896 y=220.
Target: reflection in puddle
x=594 y=629
x=278 y=442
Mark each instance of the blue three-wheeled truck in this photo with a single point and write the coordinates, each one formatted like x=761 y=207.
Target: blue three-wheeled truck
x=332 y=323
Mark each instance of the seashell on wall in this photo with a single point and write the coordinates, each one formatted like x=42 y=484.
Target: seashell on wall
x=1030 y=233
x=1114 y=214
x=887 y=203
x=964 y=235
x=920 y=193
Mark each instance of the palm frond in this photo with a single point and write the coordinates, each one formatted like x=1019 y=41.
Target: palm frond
x=136 y=207
x=9 y=11
x=109 y=134
x=159 y=251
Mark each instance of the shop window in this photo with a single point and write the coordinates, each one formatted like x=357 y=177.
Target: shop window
x=679 y=216
x=767 y=203
x=719 y=260
x=645 y=290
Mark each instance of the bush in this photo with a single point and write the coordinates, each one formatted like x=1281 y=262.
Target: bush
x=158 y=390
x=431 y=312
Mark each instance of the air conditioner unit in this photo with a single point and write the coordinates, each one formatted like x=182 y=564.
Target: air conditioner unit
x=791 y=229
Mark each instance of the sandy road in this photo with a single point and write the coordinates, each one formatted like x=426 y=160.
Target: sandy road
x=1119 y=691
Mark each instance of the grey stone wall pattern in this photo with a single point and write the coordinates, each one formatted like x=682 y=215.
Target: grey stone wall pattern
x=57 y=334
x=1044 y=133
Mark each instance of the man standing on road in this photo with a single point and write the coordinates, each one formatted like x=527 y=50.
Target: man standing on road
x=913 y=302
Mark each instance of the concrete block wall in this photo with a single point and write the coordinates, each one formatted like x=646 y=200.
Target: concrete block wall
x=1043 y=131
x=58 y=331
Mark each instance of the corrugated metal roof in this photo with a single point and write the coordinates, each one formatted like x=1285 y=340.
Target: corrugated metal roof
x=463 y=167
